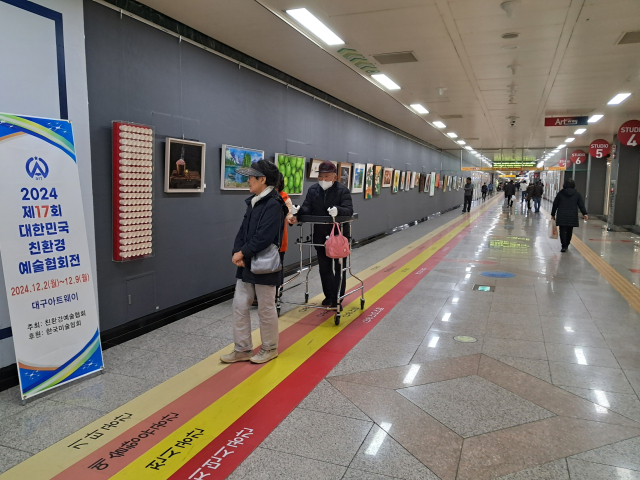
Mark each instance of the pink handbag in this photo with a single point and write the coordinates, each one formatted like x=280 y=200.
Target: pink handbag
x=337 y=246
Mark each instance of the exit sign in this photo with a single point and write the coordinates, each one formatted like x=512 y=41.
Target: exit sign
x=565 y=121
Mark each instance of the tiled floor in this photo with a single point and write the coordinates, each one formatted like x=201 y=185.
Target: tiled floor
x=549 y=389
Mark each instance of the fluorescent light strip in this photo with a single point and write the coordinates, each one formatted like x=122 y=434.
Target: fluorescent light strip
x=439 y=124
x=594 y=118
x=452 y=135
x=461 y=142
x=468 y=147
x=618 y=99
x=419 y=108
x=580 y=131
x=385 y=81
x=569 y=140
x=561 y=146
x=315 y=26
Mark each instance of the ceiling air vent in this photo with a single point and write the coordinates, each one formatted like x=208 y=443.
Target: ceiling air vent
x=629 y=37
x=398 y=57
x=449 y=117
x=509 y=36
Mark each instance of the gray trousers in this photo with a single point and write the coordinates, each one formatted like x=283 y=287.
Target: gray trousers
x=242 y=300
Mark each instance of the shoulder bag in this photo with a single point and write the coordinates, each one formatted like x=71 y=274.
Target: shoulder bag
x=268 y=260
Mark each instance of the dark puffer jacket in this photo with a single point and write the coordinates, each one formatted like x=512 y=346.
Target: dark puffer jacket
x=317 y=202
x=565 y=207
x=262 y=225
x=510 y=189
x=538 y=190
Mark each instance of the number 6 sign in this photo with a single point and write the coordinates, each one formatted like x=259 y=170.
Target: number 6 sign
x=599 y=148
x=629 y=133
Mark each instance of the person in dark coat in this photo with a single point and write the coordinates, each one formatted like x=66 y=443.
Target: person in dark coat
x=484 y=189
x=262 y=226
x=509 y=191
x=529 y=195
x=468 y=195
x=332 y=197
x=565 y=211
x=538 y=190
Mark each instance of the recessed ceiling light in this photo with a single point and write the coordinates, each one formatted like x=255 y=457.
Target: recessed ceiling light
x=468 y=147
x=508 y=36
x=439 y=124
x=386 y=81
x=461 y=142
x=452 y=135
x=594 y=118
x=569 y=140
x=580 y=131
x=561 y=146
x=619 y=98
x=315 y=26
x=419 y=108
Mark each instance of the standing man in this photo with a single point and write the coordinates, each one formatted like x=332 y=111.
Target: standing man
x=523 y=188
x=332 y=197
x=538 y=190
x=490 y=189
x=484 y=191
x=509 y=191
x=468 y=195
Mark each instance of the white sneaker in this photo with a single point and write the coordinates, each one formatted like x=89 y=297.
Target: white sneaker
x=263 y=356
x=235 y=356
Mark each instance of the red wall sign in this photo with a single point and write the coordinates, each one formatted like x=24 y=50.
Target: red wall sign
x=629 y=133
x=563 y=162
x=565 y=121
x=578 y=157
x=599 y=148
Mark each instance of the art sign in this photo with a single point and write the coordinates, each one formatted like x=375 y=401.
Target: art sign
x=45 y=255
x=565 y=121
x=599 y=148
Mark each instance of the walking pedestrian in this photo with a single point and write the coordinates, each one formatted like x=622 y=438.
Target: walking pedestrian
x=468 y=195
x=261 y=228
x=509 y=191
x=529 y=194
x=566 y=205
x=538 y=190
x=523 y=195
x=490 y=186
x=484 y=191
x=328 y=196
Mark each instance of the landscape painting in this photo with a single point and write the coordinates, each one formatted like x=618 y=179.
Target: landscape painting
x=232 y=159
x=358 y=178
x=368 y=182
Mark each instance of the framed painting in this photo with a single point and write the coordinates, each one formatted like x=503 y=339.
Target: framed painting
x=368 y=182
x=377 y=179
x=232 y=159
x=444 y=183
x=403 y=177
x=438 y=180
x=314 y=164
x=407 y=183
x=396 y=181
x=292 y=169
x=413 y=179
x=344 y=173
x=417 y=183
x=387 y=178
x=421 y=182
x=184 y=166
x=358 y=178
x=432 y=184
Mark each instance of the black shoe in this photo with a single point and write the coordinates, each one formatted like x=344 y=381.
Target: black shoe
x=563 y=250
x=464 y=211
x=326 y=302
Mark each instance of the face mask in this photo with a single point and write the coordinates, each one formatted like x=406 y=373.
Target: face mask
x=325 y=185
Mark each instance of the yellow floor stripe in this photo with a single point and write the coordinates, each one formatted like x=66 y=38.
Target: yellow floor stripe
x=630 y=293
x=58 y=457
x=216 y=418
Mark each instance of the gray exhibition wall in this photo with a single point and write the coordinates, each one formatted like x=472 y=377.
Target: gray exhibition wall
x=139 y=74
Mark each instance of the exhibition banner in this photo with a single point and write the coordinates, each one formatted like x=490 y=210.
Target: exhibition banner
x=45 y=254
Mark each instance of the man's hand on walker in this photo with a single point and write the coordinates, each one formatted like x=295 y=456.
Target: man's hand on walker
x=333 y=211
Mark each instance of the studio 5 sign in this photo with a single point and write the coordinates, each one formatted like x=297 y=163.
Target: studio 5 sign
x=599 y=148
x=629 y=133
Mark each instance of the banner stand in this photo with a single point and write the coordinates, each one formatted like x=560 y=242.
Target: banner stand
x=45 y=255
